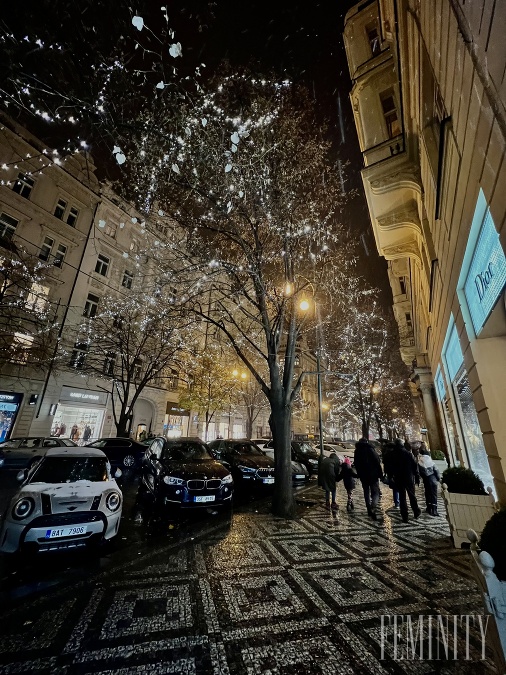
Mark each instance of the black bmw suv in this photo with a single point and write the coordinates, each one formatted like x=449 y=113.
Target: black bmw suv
x=181 y=472
x=246 y=461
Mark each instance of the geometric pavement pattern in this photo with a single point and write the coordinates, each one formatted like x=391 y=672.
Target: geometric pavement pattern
x=261 y=596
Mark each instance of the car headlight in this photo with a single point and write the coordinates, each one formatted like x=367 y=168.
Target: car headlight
x=23 y=508
x=113 y=501
x=313 y=461
x=227 y=479
x=172 y=480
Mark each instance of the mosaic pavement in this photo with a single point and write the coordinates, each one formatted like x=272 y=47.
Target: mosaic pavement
x=259 y=596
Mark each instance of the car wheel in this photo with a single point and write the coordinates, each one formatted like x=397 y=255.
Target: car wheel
x=128 y=461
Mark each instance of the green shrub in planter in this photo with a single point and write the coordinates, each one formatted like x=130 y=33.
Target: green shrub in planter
x=462 y=480
x=437 y=454
x=493 y=541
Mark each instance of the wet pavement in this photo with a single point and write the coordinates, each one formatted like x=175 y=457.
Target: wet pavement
x=248 y=594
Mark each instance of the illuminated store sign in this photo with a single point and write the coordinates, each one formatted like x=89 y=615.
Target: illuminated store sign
x=486 y=275
x=83 y=396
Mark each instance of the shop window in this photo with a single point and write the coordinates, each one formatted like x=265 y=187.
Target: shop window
x=78 y=357
x=128 y=278
x=102 y=265
x=46 y=248
x=21 y=347
x=61 y=207
x=37 y=299
x=59 y=256
x=390 y=113
x=373 y=38
x=23 y=185
x=8 y=226
x=91 y=306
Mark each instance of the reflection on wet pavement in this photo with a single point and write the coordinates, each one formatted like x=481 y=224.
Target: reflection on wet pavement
x=248 y=593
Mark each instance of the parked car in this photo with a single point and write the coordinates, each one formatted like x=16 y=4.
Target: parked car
x=69 y=499
x=299 y=472
x=303 y=453
x=20 y=453
x=121 y=451
x=182 y=472
x=246 y=462
x=340 y=450
x=260 y=442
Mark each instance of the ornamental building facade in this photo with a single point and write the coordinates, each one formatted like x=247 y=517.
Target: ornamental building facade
x=429 y=103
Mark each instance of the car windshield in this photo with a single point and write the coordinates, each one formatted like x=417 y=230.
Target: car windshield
x=306 y=448
x=247 y=449
x=185 y=452
x=70 y=470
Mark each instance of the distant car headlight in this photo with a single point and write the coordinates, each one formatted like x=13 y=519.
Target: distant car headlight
x=23 y=508
x=313 y=461
x=113 y=501
x=246 y=469
x=227 y=479
x=172 y=480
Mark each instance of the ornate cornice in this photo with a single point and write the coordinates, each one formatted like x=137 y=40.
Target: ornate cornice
x=405 y=217
x=407 y=177
x=406 y=249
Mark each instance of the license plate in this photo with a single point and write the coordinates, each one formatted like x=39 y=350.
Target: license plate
x=268 y=480
x=65 y=532
x=205 y=498
x=300 y=475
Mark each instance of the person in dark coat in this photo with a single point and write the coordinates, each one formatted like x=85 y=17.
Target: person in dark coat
x=401 y=467
x=368 y=468
x=430 y=476
x=349 y=475
x=387 y=449
x=328 y=475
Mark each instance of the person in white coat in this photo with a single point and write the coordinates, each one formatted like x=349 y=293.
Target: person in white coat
x=430 y=476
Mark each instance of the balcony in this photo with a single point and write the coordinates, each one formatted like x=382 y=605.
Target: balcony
x=384 y=150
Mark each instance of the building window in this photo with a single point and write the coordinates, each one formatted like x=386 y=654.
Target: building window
x=37 y=298
x=402 y=284
x=72 y=217
x=21 y=346
x=390 y=113
x=110 y=229
x=173 y=380
x=60 y=209
x=91 y=306
x=102 y=266
x=409 y=322
x=60 y=254
x=46 y=248
x=128 y=278
x=8 y=226
x=78 y=355
x=118 y=322
x=373 y=38
x=137 y=369
x=23 y=185
x=109 y=363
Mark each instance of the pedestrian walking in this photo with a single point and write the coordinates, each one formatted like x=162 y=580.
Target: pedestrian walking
x=328 y=475
x=401 y=466
x=387 y=449
x=430 y=476
x=86 y=433
x=349 y=475
x=368 y=468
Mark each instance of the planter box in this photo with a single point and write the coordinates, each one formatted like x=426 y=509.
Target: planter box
x=493 y=593
x=467 y=512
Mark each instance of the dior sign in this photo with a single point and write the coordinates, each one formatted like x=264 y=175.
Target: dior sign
x=483 y=280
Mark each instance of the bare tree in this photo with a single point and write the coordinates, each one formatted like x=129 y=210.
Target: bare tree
x=131 y=343
x=27 y=329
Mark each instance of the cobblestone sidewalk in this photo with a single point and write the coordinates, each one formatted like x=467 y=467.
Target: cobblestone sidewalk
x=258 y=595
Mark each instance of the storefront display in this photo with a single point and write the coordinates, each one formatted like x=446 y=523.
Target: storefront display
x=9 y=406
x=79 y=415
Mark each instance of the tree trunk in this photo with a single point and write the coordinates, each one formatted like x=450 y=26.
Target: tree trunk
x=124 y=420
x=249 y=423
x=365 y=429
x=283 y=502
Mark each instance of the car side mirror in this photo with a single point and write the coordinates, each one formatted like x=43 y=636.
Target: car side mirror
x=118 y=473
x=21 y=475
